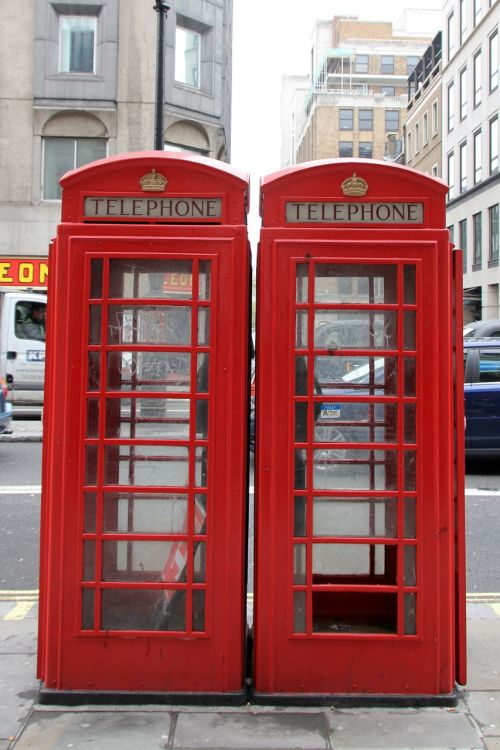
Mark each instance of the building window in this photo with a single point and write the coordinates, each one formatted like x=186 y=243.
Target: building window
x=451 y=35
x=450 y=101
x=477 y=11
x=365 y=149
x=493 y=61
x=426 y=128
x=392 y=120
x=435 y=170
x=417 y=138
x=435 y=118
x=365 y=119
x=388 y=90
x=462 y=154
x=346 y=118
x=462 y=229
x=493 y=144
x=463 y=20
x=450 y=174
x=411 y=64
x=451 y=231
x=409 y=152
x=476 y=242
x=361 y=63
x=463 y=93
x=187 y=57
x=62 y=154
x=477 y=79
x=478 y=158
x=345 y=149
x=493 y=236
x=387 y=63
x=77 y=36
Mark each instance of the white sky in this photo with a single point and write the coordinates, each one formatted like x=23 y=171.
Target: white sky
x=271 y=38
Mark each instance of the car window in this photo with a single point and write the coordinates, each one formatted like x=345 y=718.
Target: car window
x=30 y=320
x=489 y=365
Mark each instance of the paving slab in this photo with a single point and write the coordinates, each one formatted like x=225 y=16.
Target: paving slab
x=485 y=707
x=18 y=690
x=483 y=654
x=392 y=728
x=252 y=729
x=492 y=743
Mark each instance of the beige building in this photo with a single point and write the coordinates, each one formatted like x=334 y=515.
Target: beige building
x=84 y=88
x=356 y=98
x=423 y=134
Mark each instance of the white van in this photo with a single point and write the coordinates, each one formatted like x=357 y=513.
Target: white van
x=22 y=348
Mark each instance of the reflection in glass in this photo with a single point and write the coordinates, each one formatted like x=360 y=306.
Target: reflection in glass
x=158 y=325
x=365 y=470
x=410 y=471
x=350 y=329
x=363 y=517
x=204 y=279
x=144 y=561
x=375 y=376
x=149 y=371
x=200 y=562
x=356 y=422
x=300 y=515
x=143 y=609
x=88 y=560
x=410 y=518
x=355 y=283
x=410 y=417
x=146 y=465
x=410 y=566
x=300 y=468
x=301 y=409
x=200 y=468
x=166 y=419
x=299 y=611
x=202 y=419
x=87 y=609
x=96 y=278
x=410 y=614
x=302 y=276
x=203 y=373
x=203 y=337
x=140 y=513
x=94 y=324
x=143 y=278
x=410 y=330
x=299 y=563
x=91 y=455
x=94 y=371
x=409 y=295
x=92 y=418
x=301 y=329
x=198 y=610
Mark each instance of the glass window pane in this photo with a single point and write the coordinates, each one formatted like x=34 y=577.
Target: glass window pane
x=90 y=149
x=88 y=560
x=198 y=610
x=410 y=423
x=149 y=371
x=149 y=325
x=204 y=279
x=88 y=609
x=96 y=266
x=300 y=468
x=299 y=564
x=91 y=455
x=335 y=329
x=409 y=296
x=94 y=371
x=201 y=467
x=363 y=517
x=300 y=515
x=144 y=561
x=166 y=419
x=138 y=278
x=202 y=419
x=200 y=562
x=187 y=57
x=355 y=284
x=146 y=465
x=410 y=614
x=410 y=471
x=203 y=337
x=348 y=559
x=354 y=612
x=364 y=375
x=58 y=158
x=139 y=513
x=410 y=376
x=76 y=44
x=92 y=418
x=302 y=276
x=203 y=373
x=301 y=410
x=299 y=612
x=143 y=609
x=94 y=324
x=410 y=332
x=410 y=566
x=410 y=518
x=365 y=470
x=356 y=422
x=301 y=329
x=89 y=519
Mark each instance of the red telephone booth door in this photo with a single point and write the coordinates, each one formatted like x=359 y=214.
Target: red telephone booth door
x=355 y=527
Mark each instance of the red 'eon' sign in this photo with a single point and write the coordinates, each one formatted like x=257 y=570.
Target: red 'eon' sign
x=23 y=272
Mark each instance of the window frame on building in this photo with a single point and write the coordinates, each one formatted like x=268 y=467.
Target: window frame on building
x=409 y=146
x=392 y=112
x=66 y=62
x=425 y=129
x=435 y=117
x=365 y=120
x=493 y=61
x=342 y=118
x=493 y=145
x=462 y=14
x=384 y=90
x=362 y=63
x=477 y=78
x=181 y=75
x=450 y=106
x=476 y=11
x=493 y=236
x=477 y=156
x=463 y=93
x=411 y=63
x=462 y=232
x=50 y=188
x=450 y=174
x=450 y=26
x=386 y=64
x=462 y=168
x=477 y=241
x=347 y=147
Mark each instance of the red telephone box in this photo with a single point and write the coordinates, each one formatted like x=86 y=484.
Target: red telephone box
x=360 y=592
x=145 y=447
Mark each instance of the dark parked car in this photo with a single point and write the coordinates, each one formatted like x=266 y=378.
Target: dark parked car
x=481 y=329
x=482 y=396
x=5 y=408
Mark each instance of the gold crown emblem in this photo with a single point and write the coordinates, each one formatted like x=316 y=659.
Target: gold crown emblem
x=154 y=182
x=354 y=185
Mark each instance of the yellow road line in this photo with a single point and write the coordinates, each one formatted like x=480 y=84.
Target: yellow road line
x=20 y=611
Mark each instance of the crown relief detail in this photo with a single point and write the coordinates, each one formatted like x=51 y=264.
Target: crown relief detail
x=153 y=182
x=354 y=185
